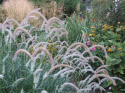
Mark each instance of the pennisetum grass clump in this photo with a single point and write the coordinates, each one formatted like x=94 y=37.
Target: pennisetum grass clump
x=55 y=65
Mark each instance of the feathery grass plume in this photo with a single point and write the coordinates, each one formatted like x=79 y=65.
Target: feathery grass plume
x=30 y=40
x=53 y=20
x=94 y=46
x=71 y=51
x=83 y=82
x=62 y=48
x=68 y=72
x=69 y=84
x=104 y=71
x=47 y=52
x=44 y=44
x=4 y=25
x=32 y=29
x=38 y=56
x=60 y=72
x=82 y=45
x=57 y=66
x=22 y=91
x=17 y=9
x=101 y=75
x=58 y=33
x=10 y=36
x=35 y=13
x=37 y=71
x=95 y=86
x=36 y=78
x=17 y=81
x=103 y=66
x=22 y=51
x=22 y=30
x=64 y=43
x=43 y=91
x=4 y=59
x=1 y=76
x=94 y=57
x=118 y=79
x=76 y=44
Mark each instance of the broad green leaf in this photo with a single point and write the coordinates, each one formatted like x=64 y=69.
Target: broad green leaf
x=118 y=29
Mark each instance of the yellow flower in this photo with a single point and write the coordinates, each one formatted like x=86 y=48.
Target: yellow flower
x=94 y=35
x=15 y=24
x=121 y=26
x=119 y=48
x=103 y=61
x=124 y=28
x=115 y=33
x=48 y=40
x=110 y=50
x=90 y=34
x=110 y=26
x=106 y=26
x=86 y=34
x=93 y=27
x=41 y=46
x=103 y=29
x=118 y=22
x=119 y=39
x=92 y=31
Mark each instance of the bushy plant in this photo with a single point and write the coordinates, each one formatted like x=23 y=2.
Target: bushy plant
x=50 y=8
x=17 y=9
x=76 y=25
x=114 y=41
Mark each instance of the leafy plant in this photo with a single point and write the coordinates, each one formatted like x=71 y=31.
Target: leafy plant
x=113 y=40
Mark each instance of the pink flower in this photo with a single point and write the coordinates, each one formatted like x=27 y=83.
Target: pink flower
x=85 y=42
x=84 y=36
x=94 y=49
x=88 y=42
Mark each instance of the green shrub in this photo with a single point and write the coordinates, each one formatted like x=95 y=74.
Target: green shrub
x=113 y=38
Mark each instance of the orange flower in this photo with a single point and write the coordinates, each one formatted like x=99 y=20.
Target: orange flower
x=110 y=26
x=103 y=29
x=119 y=48
x=92 y=31
x=111 y=29
x=103 y=61
x=110 y=50
x=94 y=35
